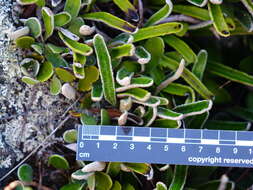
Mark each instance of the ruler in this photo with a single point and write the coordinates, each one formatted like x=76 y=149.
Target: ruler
x=200 y=147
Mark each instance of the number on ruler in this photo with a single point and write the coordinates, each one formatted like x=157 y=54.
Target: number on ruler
x=81 y=144
x=115 y=146
x=166 y=148
x=235 y=150
x=149 y=147
x=98 y=145
x=131 y=146
x=250 y=151
x=217 y=150
x=200 y=148
x=183 y=148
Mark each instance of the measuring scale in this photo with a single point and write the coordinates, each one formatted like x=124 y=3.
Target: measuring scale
x=165 y=146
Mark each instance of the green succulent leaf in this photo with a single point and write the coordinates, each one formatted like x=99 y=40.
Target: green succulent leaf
x=137 y=93
x=167 y=123
x=199 y=66
x=142 y=55
x=105 y=117
x=55 y=86
x=110 y=20
x=24 y=42
x=25 y=173
x=72 y=186
x=75 y=25
x=141 y=168
x=91 y=76
x=87 y=120
x=116 y=186
x=230 y=73
x=79 y=72
x=34 y=25
x=218 y=19
x=166 y=113
x=151 y=102
x=113 y=168
x=157 y=30
x=179 y=178
x=181 y=47
x=56 y=49
x=227 y=125
x=127 y=7
x=194 y=108
x=121 y=39
x=73 y=7
x=96 y=92
x=105 y=69
x=188 y=76
x=77 y=47
x=70 y=136
x=26 y=2
x=163 y=13
x=122 y=51
x=48 y=19
x=123 y=76
x=103 y=181
x=29 y=80
x=199 y=3
x=64 y=75
x=55 y=58
x=192 y=11
x=30 y=67
x=45 y=72
x=58 y=162
x=62 y=19
x=160 y=186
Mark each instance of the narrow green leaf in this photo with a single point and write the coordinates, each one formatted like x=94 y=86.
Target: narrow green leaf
x=58 y=162
x=91 y=182
x=163 y=101
x=227 y=125
x=180 y=90
x=127 y=7
x=189 y=77
x=230 y=73
x=192 y=11
x=105 y=117
x=166 y=123
x=87 y=120
x=62 y=19
x=110 y=20
x=194 y=108
x=105 y=69
x=56 y=49
x=25 y=173
x=70 y=136
x=141 y=168
x=151 y=102
x=96 y=92
x=199 y=3
x=121 y=39
x=91 y=76
x=24 y=41
x=181 y=47
x=123 y=76
x=122 y=51
x=139 y=82
x=64 y=75
x=179 y=178
x=26 y=2
x=34 y=25
x=55 y=86
x=150 y=116
x=29 y=80
x=200 y=64
x=137 y=93
x=48 y=19
x=103 y=181
x=163 y=13
x=45 y=72
x=55 y=58
x=38 y=47
x=218 y=19
x=157 y=30
x=73 y=7
x=77 y=47
x=165 y=113
x=142 y=55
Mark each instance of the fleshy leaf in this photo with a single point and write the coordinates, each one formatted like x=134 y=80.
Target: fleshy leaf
x=25 y=173
x=181 y=47
x=105 y=117
x=24 y=41
x=73 y=7
x=45 y=72
x=79 y=72
x=157 y=30
x=62 y=19
x=34 y=25
x=30 y=67
x=165 y=113
x=121 y=39
x=29 y=80
x=64 y=75
x=87 y=120
x=160 y=186
x=166 y=123
x=55 y=86
x=58 y=162
x=116 y=186
x=179 y=177
x=113 y=168
x=200 y=64
x=96 y=92
x=70 y=136
x=151 y=102
x=56 y=49
x=137 y=93
x=91 y=76
x=110 y=20
x=26 y=2
x=227 y=125
x=218 y=19
x=122 y=51
x=56 y=59
x=199 y=3
x=48 y=19
x=127 y=7
x=123 y=76
x=142 y=55
x=105 y=69
x=141 y=168
x=77 y=47
x=75 y=25
x=103 y=181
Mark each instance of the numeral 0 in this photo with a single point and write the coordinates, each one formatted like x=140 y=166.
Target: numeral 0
x=81 y=144
x=217 y=150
